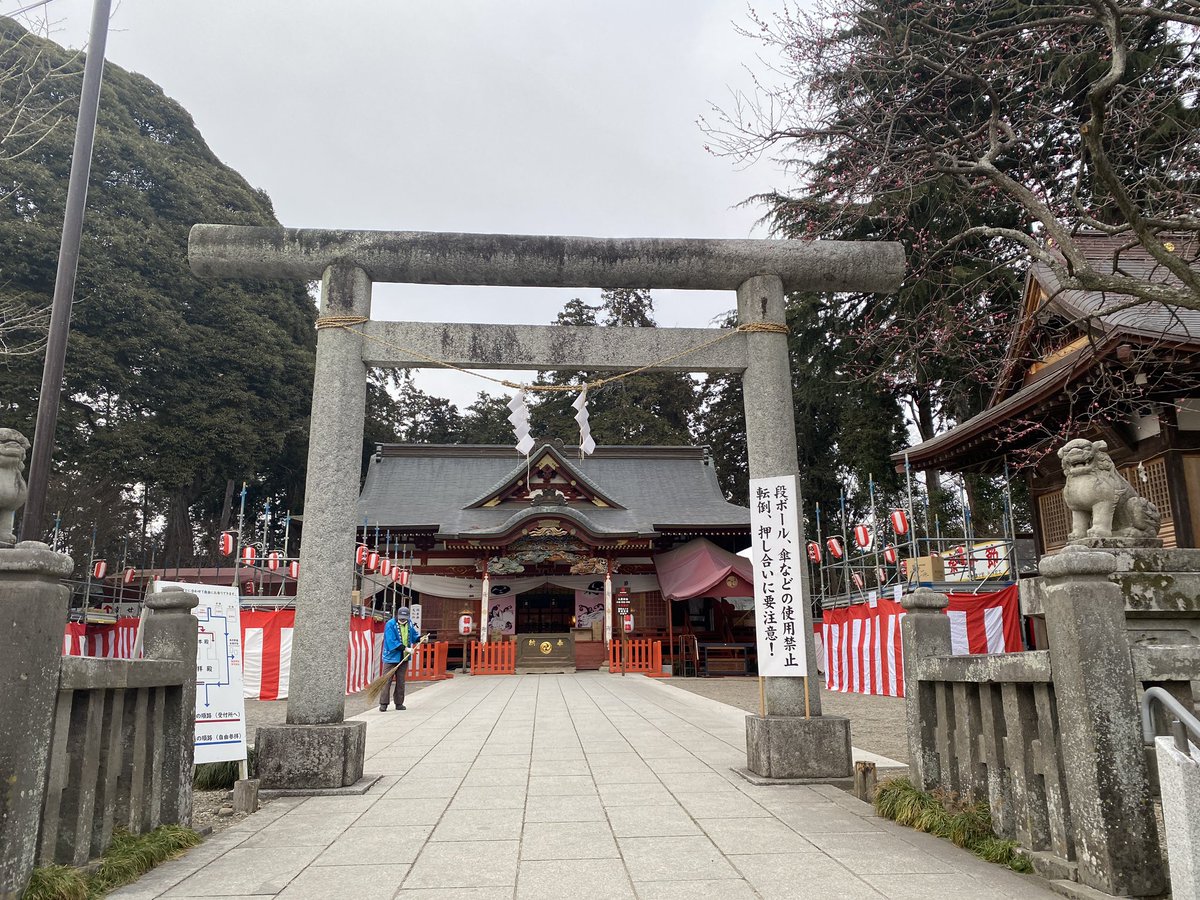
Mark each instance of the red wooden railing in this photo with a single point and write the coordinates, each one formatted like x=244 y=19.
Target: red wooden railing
x=429 y=662
x=493 y=658
x=642 y=657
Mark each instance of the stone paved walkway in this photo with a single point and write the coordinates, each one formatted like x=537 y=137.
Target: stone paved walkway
x=577 y=786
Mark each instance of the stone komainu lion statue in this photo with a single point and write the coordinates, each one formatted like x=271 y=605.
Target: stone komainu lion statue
x=12 y=485
x=1102 y=503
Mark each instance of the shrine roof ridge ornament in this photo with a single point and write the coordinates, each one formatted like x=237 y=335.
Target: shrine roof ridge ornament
x=425 y=257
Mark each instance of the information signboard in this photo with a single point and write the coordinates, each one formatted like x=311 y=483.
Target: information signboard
x=778 y=597
x=220 y=704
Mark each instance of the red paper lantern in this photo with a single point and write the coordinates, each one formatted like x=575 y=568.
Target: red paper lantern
x=858 y=580
x=890 y=555
x=372 y=561
x=883 y=575
x=99 y=569
x=293 y=569
x=814 y=551
x=835 y=548
x=273 y=559
x=404 y=576
x=397 y=573
x=385 y=567
x=129 y=575
x=228 y=542
x=249 y=555
x=862 y=536
x=360 y=555
x=899 y=521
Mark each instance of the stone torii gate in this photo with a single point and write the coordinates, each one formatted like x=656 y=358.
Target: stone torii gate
x=317 y=749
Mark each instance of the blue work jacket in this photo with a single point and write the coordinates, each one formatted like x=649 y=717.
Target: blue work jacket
x=396 y=640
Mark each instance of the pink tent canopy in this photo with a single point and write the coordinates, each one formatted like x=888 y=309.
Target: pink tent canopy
x=702 y=569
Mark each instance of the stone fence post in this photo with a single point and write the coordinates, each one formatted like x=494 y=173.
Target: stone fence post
x=170 y=633
x=925 y=632
x=33 y=614
x=1104 y=763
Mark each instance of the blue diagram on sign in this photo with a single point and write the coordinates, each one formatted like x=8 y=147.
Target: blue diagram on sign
x=214 y=656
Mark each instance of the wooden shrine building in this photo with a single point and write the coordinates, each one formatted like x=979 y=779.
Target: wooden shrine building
x=1084 y=364
x=549 y=529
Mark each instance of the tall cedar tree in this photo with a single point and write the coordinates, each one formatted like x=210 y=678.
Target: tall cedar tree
x=174 y=382
x=657 y=408
x=845 y=426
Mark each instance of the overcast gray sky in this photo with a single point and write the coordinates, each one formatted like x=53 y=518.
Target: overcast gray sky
x=526 y=116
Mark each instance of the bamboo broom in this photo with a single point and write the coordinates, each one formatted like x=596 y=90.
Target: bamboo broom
x=375 y=688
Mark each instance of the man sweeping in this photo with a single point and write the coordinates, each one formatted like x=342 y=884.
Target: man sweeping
x=400 y=637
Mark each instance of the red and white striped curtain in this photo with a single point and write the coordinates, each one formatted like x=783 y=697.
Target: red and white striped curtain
x=863 y=654
x=266 y=649
x=103 y=641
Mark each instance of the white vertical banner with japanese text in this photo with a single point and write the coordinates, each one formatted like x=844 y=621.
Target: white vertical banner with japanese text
x=778 y=598
x=220 y=700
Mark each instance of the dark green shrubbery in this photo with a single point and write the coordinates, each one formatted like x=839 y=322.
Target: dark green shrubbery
x=127 y=859
x=967 y=825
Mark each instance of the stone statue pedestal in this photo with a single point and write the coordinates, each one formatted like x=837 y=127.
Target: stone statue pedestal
x=1161 y=592
x=792 y=747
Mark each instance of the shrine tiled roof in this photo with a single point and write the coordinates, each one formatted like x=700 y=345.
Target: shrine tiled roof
x=1114 y=254
x=432 y=487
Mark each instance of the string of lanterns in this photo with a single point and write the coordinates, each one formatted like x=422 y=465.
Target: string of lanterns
x=863 y=537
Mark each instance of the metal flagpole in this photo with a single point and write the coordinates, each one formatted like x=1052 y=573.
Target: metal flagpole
x=50 y=394
x=1010 y=523
x=912 y=523
x=237 y=556
x=845 y=545
x=287 y=525
x=821 y=552
x=124 y=565
x=87 y=595
x=57 y=527
x=266 y=541
x=874 y=528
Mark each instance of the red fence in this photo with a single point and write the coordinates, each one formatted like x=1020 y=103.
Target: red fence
x=642 y=656
x=429 y=662
x=493 y=658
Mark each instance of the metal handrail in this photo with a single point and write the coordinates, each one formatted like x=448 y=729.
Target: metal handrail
x=1184 y=723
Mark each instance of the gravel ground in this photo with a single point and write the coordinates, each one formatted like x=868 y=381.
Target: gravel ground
x=206 y=804
x=876 y=723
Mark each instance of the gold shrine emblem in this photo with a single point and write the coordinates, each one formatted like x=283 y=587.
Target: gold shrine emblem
x=545 y=647
x=531 y=642
x=731 y=581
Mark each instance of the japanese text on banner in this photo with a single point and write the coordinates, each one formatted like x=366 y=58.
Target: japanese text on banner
x=778 y=598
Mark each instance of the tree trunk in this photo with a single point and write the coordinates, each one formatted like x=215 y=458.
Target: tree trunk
x=980 y=521
x=226 y=507
x=178 y=539
x=933 y=478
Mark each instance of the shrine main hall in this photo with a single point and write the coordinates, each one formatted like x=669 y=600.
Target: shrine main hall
x=548 y=530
